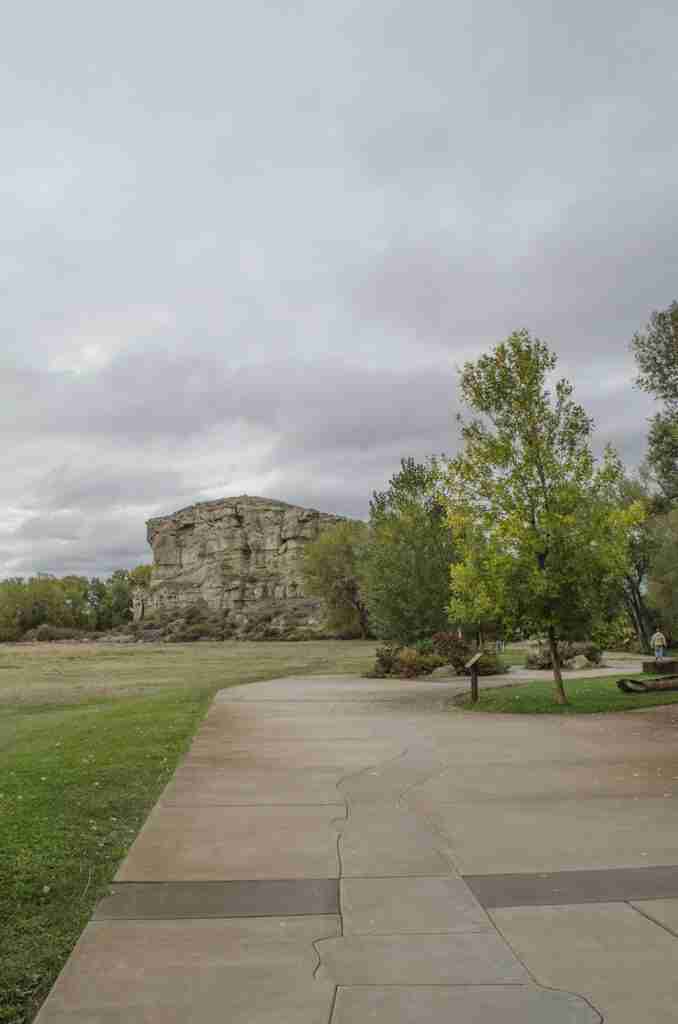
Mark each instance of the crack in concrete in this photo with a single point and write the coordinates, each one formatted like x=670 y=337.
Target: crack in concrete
x=532 y=975
x=654 y=920
x=445 y=852
x=439 y=837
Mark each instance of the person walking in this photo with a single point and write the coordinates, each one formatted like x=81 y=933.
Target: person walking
x=658 y=641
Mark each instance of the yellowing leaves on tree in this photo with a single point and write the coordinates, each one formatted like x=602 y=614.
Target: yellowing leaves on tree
x=543 y=541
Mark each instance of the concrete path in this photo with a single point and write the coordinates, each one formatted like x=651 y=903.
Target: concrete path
x=338 y=850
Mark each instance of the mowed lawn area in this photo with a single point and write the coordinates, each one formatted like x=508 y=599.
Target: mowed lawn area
x=586 y=696
x=89 y=735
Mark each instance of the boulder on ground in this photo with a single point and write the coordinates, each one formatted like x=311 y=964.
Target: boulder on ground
x=579 y=662
x=444 y=672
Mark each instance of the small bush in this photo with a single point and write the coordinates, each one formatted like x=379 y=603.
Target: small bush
x=386 y=659
x=567 y=650
x=196 y=631
x=404 y=662
x=46 y=633
x=425 y=646
x=541 y=657
x=490 y=665
x=452 y=649
x=407 y=663
x=195 y=613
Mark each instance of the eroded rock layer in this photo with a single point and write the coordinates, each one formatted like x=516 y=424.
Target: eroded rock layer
x=237 y=556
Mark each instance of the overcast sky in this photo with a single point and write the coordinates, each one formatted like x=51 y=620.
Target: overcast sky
x=244 y=245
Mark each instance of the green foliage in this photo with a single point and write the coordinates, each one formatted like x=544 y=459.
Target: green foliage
x=407 y=561
x=69 y=602
x=617 y=634
x=642 y=549
x=544 y=542
x=331 y=572
x=656 y=352
x=663 y=574
x=141 y=576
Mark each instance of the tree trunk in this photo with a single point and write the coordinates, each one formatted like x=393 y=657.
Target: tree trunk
x=363 y=620
x=638 y=613
x=561 y=696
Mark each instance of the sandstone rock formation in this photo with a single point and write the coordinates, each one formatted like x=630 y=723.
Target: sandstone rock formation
x=239 y=558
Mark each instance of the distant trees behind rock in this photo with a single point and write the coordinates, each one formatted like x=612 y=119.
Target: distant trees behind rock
x=67 y=604
x=389 y=577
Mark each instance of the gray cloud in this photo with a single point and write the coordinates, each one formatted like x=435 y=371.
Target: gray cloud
x=245 y=254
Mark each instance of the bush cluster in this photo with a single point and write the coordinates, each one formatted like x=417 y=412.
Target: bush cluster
x=567 y=651
x=47 y=633
x=454 y=649
x=421 y=658
x=405 y=662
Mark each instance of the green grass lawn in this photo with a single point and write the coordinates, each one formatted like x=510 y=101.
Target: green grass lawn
x=89 y=735
x=586 y=696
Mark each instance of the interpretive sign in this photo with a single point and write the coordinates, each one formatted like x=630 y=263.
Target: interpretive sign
x=473 y=666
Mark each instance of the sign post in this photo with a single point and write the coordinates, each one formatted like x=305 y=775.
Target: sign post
x=473 y=666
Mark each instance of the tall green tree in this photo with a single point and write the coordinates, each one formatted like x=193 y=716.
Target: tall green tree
x=544 y=540
x=331 y=572
x=662 y=587
x=656 y=352
x=643 y=544
x=407 y=562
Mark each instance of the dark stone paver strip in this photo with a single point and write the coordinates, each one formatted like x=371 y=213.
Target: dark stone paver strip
x=173 y=900
x=565 y=887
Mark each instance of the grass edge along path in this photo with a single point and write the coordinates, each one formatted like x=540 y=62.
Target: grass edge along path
x=586 y=697
x=82 y=781
x=80 y=773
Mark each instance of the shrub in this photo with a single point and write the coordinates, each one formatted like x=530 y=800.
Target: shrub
x=429 y=662
x=46 y=633
x=196 y=631
x=567 y=650
x=541 y=656
x=407 y=662
x=452 y=649
x=490 y=665
x=424 y=646
x=386 y=657
x=404 y=662
x=195 y=613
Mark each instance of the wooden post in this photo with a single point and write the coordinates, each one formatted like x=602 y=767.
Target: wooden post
x=473 y=666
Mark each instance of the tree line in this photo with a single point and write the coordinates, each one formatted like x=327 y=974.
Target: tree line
x=525 y=531
x=68 y=603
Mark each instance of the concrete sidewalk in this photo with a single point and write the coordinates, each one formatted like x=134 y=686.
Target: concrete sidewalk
x=338 y=850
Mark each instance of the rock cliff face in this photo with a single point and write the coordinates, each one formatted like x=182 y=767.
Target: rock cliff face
x=240 y=557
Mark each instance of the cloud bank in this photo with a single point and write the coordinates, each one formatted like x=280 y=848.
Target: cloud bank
x=244 y=251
